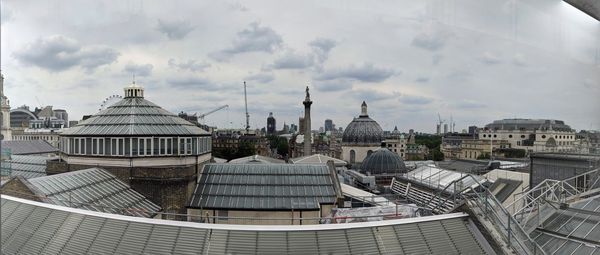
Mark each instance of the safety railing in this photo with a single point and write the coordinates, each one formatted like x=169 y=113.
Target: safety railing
x=479 y=198
x=531 y=204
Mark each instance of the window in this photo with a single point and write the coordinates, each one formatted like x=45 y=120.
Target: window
x=484 y=135
x=509 y=136
x=165 y=146
x=494 y=136
x=522 y=136
x=543 y=136
x=145 y=146
x=352 y=156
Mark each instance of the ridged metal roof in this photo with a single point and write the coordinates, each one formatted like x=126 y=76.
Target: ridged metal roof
x=36 y=228
x=383 y=161
x=28 y=147
x=134 y=116
x=94 y=189
x=264 y=187
x=28 y=166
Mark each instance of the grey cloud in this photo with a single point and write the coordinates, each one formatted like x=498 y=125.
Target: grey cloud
x=238 y=7
x=175 y=30
x=330 y=86
x=321 y=48
x=58 y=53
x=372 y=95
x=422 y=79
x=292 y=60
x=489 y=58
x=138 y=69
x=415 y=100
x=469 y=104
x=189 y=82
x=436 y=59
x=432 y=37
x=254 y=38
x=191 y=65
x=367 y=72
x=261 y=77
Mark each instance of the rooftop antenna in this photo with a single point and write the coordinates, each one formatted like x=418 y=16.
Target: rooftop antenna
x=247 y=114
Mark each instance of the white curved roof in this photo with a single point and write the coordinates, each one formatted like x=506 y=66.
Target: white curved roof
x=62 y=230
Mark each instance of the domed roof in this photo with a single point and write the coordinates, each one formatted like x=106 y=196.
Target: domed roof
x=134 y=115
x=383 y=161
x=363 y=130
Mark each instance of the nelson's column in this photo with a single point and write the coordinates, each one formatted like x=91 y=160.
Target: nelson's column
x=307 y=131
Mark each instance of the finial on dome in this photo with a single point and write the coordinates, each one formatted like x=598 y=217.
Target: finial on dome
x=363 y=108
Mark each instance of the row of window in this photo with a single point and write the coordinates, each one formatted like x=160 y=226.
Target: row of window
x=142 y=146
x=523 y=136
x=34 y=137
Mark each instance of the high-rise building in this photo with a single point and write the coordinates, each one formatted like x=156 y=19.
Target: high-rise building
x=328 y=125
x=445 y=128
x=301 y=124
x=271 y=124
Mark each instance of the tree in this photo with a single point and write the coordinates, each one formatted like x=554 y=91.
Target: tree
x=245 y=149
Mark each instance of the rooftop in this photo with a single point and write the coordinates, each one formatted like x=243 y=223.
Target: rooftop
x=256 y=159
x=28 y=166
x=134 y=115
x=69 y=230
x=93 y=189
x=317 y=159
x=264 y=187
x=28 y=147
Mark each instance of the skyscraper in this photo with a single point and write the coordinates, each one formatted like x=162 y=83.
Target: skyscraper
x=328 y=125
x=271 y=124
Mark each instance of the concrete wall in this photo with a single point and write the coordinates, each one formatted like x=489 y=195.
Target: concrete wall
x=361 y=152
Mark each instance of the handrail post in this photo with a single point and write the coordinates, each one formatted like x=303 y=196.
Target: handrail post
x=508 y=229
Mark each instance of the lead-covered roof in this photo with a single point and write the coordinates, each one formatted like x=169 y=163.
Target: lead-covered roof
x=134 y=116
x=264 y=187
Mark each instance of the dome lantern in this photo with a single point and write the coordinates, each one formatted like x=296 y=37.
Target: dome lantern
x=134 y=90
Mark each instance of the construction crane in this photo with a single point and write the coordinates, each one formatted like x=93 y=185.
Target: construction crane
x=439 y=124
x=247 y=114
x=201 y=116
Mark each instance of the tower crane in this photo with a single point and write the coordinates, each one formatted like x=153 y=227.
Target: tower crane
x=201 y=116
x=247 y=114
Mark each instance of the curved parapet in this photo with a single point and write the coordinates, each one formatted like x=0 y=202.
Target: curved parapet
x=30 y=227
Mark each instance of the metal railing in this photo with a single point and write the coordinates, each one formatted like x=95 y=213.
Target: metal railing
x=479 y=198
x=530 y=204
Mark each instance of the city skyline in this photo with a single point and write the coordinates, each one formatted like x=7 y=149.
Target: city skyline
x=409 y=61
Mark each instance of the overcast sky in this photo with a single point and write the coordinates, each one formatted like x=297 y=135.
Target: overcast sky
x=409 y=60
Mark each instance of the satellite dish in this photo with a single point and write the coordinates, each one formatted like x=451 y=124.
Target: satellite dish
x=109 y=101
